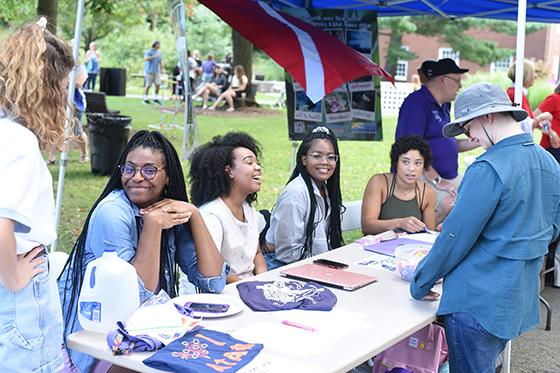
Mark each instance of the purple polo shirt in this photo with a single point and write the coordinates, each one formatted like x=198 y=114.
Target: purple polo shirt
x=421 y=115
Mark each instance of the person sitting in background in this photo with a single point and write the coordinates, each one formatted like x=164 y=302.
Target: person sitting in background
x=143 y=213
x=306 y=218
x=238 y=84
x=550 y=139
x=532 y=121
x=400 y=200
x=214 y=87
x=225 y=178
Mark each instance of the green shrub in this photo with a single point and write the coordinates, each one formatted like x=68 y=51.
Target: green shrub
x=538 y=92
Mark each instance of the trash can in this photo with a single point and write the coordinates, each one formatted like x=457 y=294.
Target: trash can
x=108 y=135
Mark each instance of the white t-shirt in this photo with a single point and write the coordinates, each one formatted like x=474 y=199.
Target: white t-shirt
x=236 y=241
x=27 y=195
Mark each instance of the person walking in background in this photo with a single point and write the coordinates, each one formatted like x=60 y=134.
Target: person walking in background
x=153 y=68
x=79 y=109
x=34 y=68
x=491 y=248
x=424 y=113
x=93 y=65
x=532 y=121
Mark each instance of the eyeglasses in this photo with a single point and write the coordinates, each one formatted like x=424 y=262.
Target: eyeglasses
x=456 y=80
x=464 y=128
x=318 y=157
x=148 y=171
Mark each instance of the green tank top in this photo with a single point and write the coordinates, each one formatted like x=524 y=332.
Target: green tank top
x=395 y=208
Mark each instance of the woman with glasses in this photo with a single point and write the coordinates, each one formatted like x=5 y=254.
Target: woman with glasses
x=225 y=177
x=306 y=218
x=143 y=213
x=400 y=200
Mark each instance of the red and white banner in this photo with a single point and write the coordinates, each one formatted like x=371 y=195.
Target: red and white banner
x=314 y=58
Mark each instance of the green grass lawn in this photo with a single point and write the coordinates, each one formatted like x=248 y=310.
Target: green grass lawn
x=359 y=160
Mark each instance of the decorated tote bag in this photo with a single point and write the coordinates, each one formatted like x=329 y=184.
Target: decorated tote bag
x=423 y=352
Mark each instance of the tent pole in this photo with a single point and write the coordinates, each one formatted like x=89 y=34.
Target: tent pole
x=69 y=118
x=520 y=51
x=190 y=128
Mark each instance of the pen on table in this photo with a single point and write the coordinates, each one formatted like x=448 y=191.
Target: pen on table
x=298 y=325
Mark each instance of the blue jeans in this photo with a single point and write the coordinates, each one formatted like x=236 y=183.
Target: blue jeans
x=31 y=326
x=471 y=348
x=271 y=261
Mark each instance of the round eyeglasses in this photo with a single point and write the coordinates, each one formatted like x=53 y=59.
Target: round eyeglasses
x=318 y=157
x=147 y=171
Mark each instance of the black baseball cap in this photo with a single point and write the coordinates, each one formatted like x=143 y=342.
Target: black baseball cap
x=432 y=68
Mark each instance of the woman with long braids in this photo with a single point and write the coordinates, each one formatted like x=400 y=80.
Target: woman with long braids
x=144 y=215
x=34 y=68
x=306 y=218
x=225 y=178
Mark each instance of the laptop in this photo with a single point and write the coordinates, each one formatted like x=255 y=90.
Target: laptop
x=336 y=278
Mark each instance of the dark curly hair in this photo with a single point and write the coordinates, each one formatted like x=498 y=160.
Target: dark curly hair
x=334 y=233
x=209 y=179
x=411 y=142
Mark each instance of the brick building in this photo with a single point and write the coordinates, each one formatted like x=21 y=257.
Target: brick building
x=542 y=46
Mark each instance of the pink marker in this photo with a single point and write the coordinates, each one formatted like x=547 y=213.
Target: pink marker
x=298 y=325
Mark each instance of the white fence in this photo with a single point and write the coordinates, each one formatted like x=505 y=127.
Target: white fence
x=392 y=97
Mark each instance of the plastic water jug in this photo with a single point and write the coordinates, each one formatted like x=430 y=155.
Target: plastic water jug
x=109 y=293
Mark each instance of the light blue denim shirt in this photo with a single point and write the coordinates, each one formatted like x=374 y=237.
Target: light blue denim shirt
x=490 y=251
x=113 y=224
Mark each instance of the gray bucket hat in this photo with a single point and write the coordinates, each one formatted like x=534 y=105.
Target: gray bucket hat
x=478 y=100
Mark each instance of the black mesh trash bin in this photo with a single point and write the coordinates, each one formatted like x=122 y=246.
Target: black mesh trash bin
x=108 y=135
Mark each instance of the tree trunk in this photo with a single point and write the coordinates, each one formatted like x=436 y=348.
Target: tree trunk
x=243 y=53
x=48 y=8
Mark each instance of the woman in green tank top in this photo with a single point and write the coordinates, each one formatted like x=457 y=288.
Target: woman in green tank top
x=400 y=201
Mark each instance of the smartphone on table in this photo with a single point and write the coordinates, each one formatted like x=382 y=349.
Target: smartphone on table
x=207 y=307
x=330 y=263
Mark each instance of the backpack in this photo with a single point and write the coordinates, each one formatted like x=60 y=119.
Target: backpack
x=422 y=352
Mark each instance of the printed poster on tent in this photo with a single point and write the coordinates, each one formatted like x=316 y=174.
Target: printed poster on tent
x=353 y=110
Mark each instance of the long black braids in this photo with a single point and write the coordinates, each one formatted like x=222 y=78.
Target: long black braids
x=334 y=232
x=175 y=189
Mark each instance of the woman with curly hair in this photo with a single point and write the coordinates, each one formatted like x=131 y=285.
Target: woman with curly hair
x=225 y=178
x=34 y=68
x=400 y=201
x=144 y=215
x=306 y=218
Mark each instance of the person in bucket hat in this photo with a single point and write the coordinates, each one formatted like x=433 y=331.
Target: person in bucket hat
x=491 y=247
x=424 y=113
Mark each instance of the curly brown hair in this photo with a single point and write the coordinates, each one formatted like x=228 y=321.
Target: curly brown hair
x=33 y=65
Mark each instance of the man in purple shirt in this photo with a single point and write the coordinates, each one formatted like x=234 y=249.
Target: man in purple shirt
x=424 y=113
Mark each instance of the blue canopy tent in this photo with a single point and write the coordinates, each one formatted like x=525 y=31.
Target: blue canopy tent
x=537 y=10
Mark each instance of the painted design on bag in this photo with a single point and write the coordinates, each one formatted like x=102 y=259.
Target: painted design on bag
x=283 y=292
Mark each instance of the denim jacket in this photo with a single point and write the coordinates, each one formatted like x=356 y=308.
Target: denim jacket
x=114 y=224
x=490 y=251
